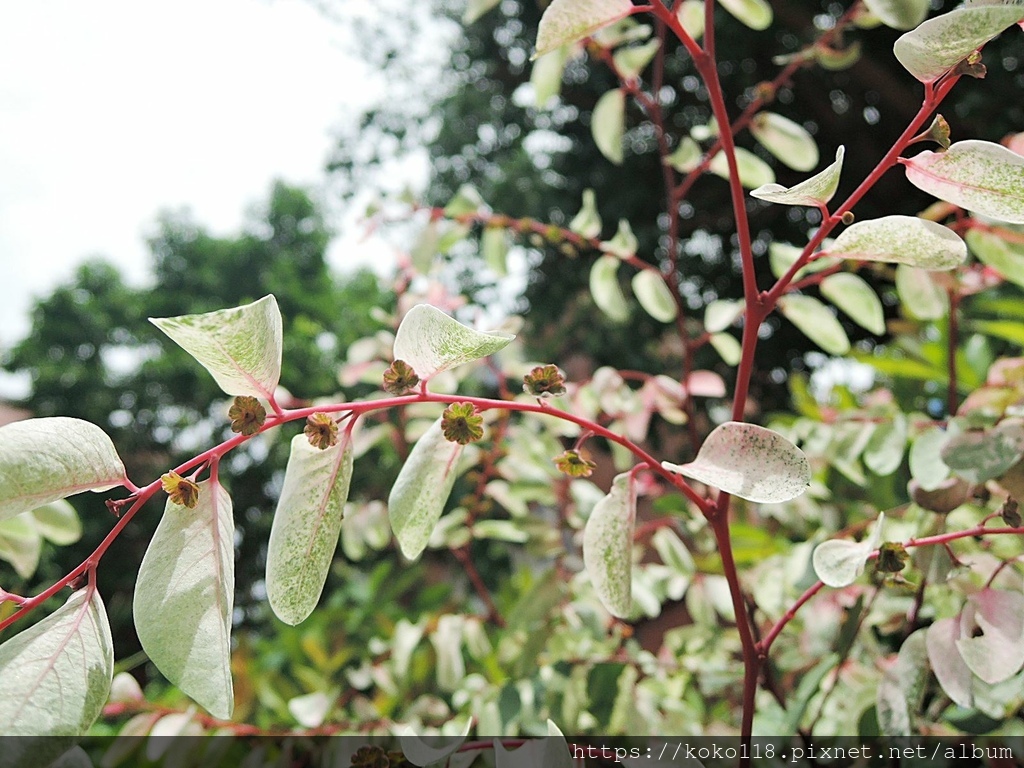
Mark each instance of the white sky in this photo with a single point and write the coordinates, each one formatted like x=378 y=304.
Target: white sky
x=111 y=110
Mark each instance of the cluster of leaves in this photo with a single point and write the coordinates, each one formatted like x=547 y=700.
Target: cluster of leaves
x=571 y=539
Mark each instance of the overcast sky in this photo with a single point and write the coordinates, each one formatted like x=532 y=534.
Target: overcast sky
x=111 y=110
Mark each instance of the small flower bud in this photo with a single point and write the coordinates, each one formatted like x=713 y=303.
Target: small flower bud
x=544 y=381
x=462 y=424
x=321 y=431
x=400 y=378
x=848 y=218
x=892 y=558
x=573 y=464
x=1010 y=512
x=182 y=491
x=247 y=415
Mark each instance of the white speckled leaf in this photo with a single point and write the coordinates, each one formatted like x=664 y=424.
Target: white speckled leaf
x=306 y=526
x=184 y=598
x=423 y=485
x=749 y=461
x=856 y=299
x=814 y=191
x=816 y=322
x=788 y=141
x=899 y=14
x=566 y=21
x=42 y=460
x=55 y=675
x=240 y=347
x=938 y=44
x=839 y=562
x=608 y=546
x=431 y=341
x=980 y=176
x=654 y=296
x=901 y=240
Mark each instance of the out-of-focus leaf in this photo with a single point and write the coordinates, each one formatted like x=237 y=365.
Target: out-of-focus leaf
x=995 y=252
x=756 y=14
x=788 y=141
x=566 y=21
x=816 y=322
x=608 y=124
x=654 y=296
x=605 y=288
x=921 y=297
x=856 y=299
x=754 y=172
x=899 y=14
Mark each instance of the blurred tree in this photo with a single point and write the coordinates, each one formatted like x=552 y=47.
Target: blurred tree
x=92 y=355
x=527 y=161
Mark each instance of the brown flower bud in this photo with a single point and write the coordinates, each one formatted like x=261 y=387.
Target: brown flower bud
x=892 y=558
x=400 y=378
x=544 y=381
x=181 y=490
x=321 y=430
x=247 y=415
x=462 y=424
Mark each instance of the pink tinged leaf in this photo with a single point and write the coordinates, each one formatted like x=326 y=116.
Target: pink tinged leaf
x=705 y=384
x=566 y=21
x=979 y=176
x=749 y=461
x=997 y=653
x=941 y=43
x=952 y=673
x=901 y=686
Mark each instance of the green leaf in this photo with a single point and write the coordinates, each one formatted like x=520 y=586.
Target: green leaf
x=995 y=252
x=494 y=247
x=782 y=256
x=991 y=641
x=979 y=176
x=754 y=172
x=839 y=562
x=466 y=200
x=941 y=43
x=727 y=347
x=605 y=288
x=901 y=240
x=815 y=191
x=978 y=456
x=749 y=461
x=899 y=14
x=184 y=598
x=624 y=244
x=902 y=687
x=788 y=141
x=926 y=464
x=21 y=544
x=587 y=221
x=306 y=526
x=654 y=296
x=566 y=21
x=608 y=546
x=58 y=522
x=1009 y=330
x=884 y=452
x=921 y=297
x=686 y=156
x=43 y=460
x=423 y=485
x=608 y=124
x=431 y=341
x=816 y=322
x=55 y=675
x=546 y=75
x=240 y=347
x=691 y=15
x=721 y=313
x=477 y=8
x=631 y=61
x=857 y=299
x=756 y=14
